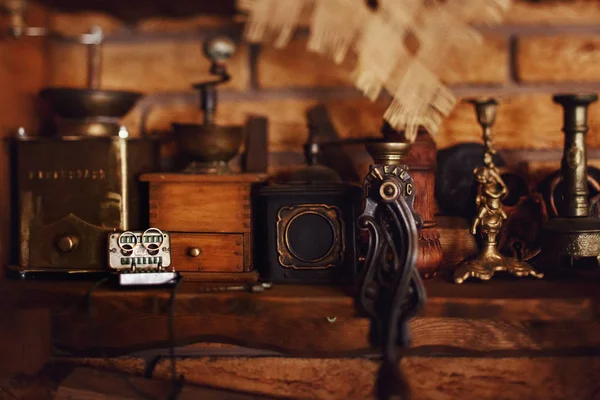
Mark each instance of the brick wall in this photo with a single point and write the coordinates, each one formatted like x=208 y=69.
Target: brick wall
x=22 y=74
x=544 y=47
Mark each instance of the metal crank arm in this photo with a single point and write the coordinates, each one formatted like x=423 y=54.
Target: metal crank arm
x=391 y=291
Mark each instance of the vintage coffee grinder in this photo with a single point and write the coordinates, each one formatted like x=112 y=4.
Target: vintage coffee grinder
x=573 y=237
x=391 y=291
x=206 y=207
x=209 y=146
x=76 y=182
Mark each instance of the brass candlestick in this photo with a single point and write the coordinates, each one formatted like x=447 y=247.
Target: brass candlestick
x=490 y=213
x=572 y=236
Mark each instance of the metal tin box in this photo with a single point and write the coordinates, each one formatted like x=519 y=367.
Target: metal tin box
x=70 y=192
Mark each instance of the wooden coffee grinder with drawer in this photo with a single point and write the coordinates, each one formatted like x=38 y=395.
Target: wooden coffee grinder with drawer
x=206 y=206
x=209 y=219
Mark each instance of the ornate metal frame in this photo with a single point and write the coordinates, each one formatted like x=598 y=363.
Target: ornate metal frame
x=287 y=257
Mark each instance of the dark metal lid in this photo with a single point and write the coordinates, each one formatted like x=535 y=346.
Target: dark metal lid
x=79 y=138
x=81 y=103
x=330 y=188
x=314 y=174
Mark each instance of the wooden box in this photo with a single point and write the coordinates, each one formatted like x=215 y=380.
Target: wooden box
x=209 y=218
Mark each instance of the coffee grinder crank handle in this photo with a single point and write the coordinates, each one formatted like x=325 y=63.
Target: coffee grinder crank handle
x=391 y=291
x=217 y=50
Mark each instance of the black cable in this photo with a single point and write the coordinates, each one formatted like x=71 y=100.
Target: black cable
x=177 y=383
x=96 y=334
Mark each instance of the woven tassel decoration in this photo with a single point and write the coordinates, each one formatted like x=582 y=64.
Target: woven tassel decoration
x=439 y=33
x=274 y=20
x=244 y=5
x=419 y=98
x=400 y=13
x=380 y=45
x=489 y=12
x=380 y=48
x=378 y=39
x=335 y=26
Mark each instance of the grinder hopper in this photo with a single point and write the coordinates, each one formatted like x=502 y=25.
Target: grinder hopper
x=89 y=111
x=208 y=146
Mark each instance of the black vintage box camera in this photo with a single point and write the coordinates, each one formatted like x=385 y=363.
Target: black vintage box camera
x=305 y=230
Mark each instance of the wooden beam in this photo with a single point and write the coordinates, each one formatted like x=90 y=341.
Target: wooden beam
x=504 y=378
x=86 y=383
x=319 y=337
x=25 y=340
x=497 y=316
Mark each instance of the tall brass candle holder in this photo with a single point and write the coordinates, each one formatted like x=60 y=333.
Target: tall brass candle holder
x=490 y=213
x=573 y=235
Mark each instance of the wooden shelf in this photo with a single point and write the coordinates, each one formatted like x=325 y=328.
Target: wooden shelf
x=499 y=299
x=495 y=316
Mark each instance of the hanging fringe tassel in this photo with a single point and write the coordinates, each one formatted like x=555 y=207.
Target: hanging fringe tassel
x=489 y=12
x=378 y=39
x=380 y=48
x=440 y=33
x=244 y=5
x=335 y=26
x=419 y=99
x=274 y=20
x=400 y=13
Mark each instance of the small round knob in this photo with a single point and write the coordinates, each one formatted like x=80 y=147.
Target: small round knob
x=194 y=252
x=388 y=191
x=219 y=49
x=68 y=243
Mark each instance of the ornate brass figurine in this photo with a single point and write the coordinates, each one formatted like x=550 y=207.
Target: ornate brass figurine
x=490 y=213
x=573 y=235
x=391 y=291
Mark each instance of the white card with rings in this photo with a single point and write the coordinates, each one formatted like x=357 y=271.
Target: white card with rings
x=148 y=251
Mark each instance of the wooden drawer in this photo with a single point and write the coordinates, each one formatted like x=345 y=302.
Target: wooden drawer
x=200 y=207
x=205 y=252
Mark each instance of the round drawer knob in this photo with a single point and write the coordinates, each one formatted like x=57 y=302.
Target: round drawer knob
x=68 y=243
x=194 y=252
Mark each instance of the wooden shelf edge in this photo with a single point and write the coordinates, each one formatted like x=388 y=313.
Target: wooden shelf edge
x=501 y=300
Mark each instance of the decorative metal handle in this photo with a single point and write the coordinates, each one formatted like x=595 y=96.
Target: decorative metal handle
x=217 y=50
x=194 y=252
x=391 y=292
